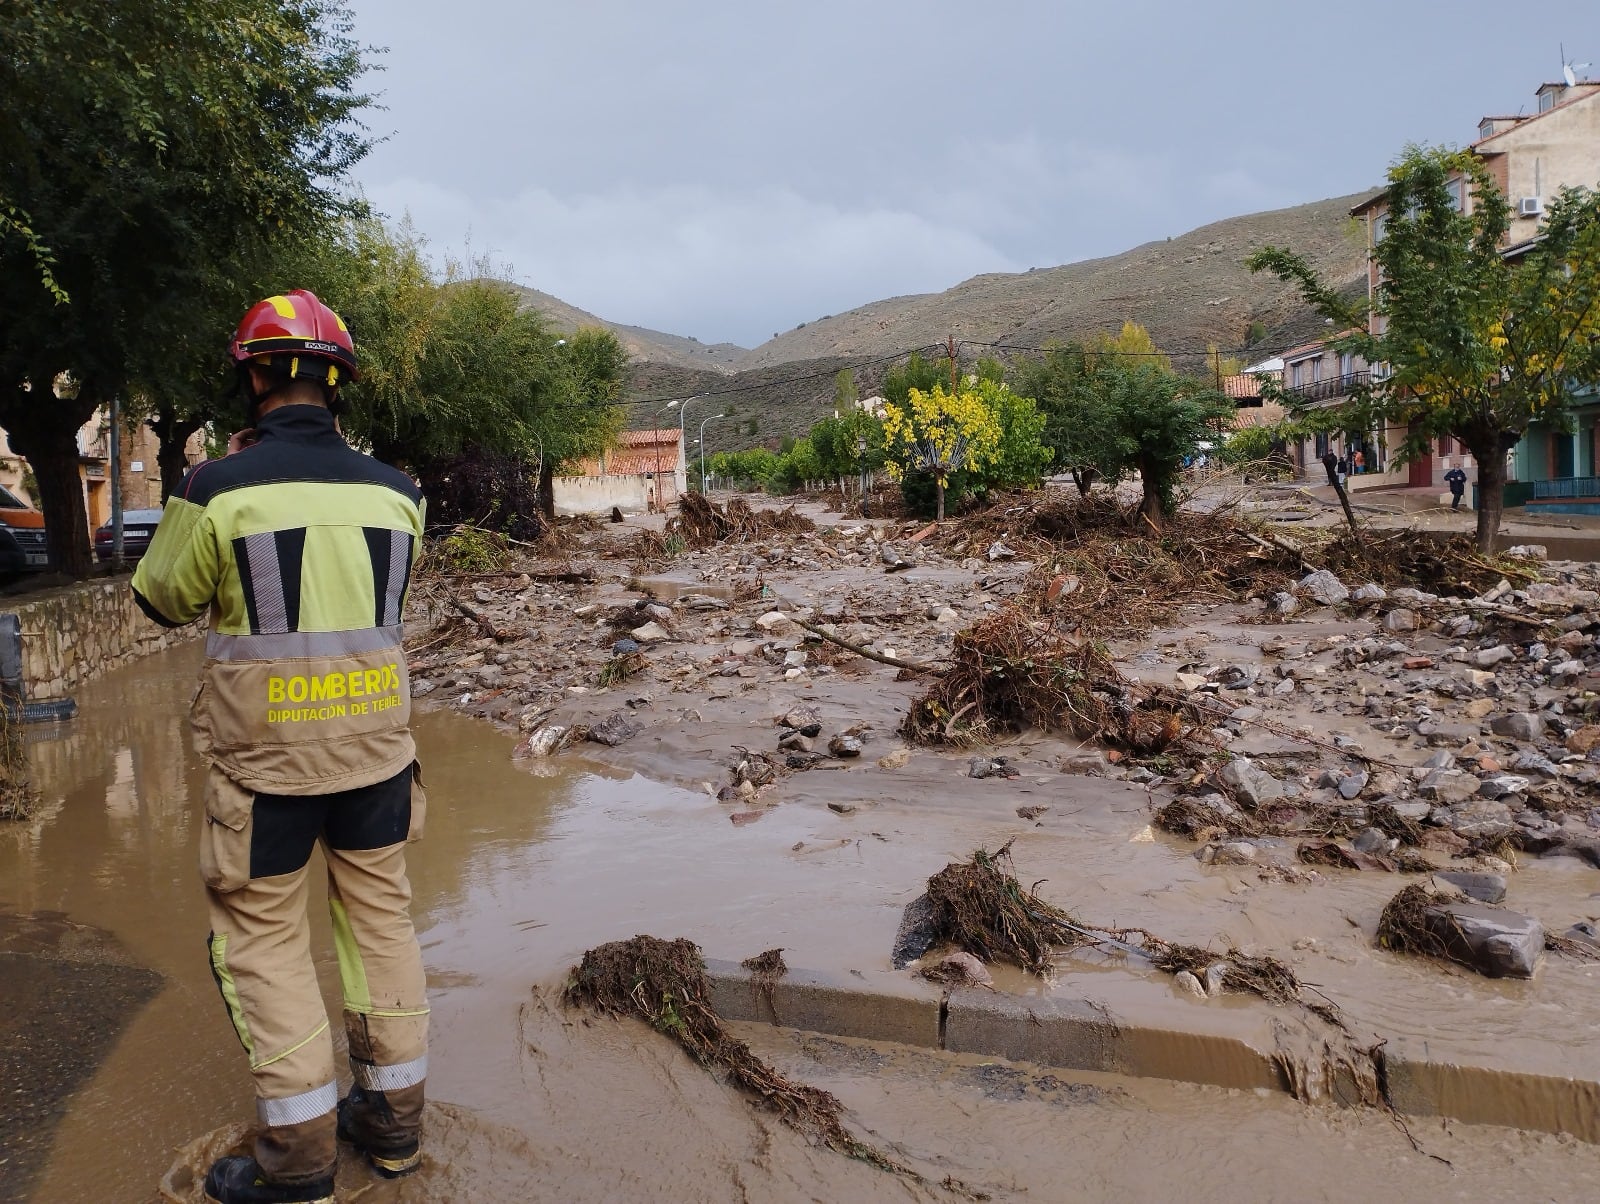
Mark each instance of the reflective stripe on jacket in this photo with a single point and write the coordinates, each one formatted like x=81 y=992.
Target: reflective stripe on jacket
x=301 y=548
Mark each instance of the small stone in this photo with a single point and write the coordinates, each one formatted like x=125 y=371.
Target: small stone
x=1352 y=786
x=794 y=658
x=1522 y=725
x=1416 y=662
x=1400 y=620
x=793 y=741
x=843 y=746
x=1185 y=981
x=1285 y=604
x=1490 y=657
x=772 y=621
x=842 y=808
x=1485 y=888
x=1479 y=707
x=1500 y=785
x=615 y=729
x=806 y=720
x=1584 y=740
x=651 y=633
x=1323 y=588
x=1188 y=681
x=1368 y=594
x=999 y=551
x=1251 y=784
x=898 y=759
x=1217 y=977
x=1032 y=812
x=946 y=616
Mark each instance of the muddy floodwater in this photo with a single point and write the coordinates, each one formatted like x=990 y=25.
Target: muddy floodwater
x=117 y=1054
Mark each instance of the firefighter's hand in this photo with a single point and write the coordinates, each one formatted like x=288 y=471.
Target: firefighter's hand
x=240 y=440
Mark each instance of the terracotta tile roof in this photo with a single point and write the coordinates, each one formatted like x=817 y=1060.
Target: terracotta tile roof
x=636 y=453
x=1262 y=415
x=1318 y=344
x=1243 y=386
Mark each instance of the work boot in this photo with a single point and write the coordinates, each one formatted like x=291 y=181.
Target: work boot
x=240 y=1180
x=362 y=1117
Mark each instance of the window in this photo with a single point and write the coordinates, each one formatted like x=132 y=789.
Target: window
x=1447 y=445
x=1316 y=370
x=1378 y=223
x=1547 y=100
x=1297 y=375
x=11 y=501
x=1347 y=365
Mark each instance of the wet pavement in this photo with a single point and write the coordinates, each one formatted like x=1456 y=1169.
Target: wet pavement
x=520 y=873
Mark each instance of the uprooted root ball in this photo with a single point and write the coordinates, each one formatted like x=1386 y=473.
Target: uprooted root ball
x=980 y=907
x=664 y=984
x=700 y=523
x=1403 y=926
x=1011 y=672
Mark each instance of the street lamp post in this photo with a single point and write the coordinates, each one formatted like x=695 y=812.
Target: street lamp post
x=702 y=446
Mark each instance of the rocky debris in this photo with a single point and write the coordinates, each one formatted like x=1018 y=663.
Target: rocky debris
x=1189 y=984
x=1485 y=888
x=991 y=767
x=1519 y=726
x=845 y=745
x=1032 y=812
x=959 y=970
x=545 y=742
x=916 y=934
x=615 y=729
x=651 y=633
x=1323 y=588
x=1232 y=852
x=898 y=759
x=1250 y=784
x=806 y=720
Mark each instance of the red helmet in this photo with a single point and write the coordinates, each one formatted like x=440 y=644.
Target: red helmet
x=281 y=332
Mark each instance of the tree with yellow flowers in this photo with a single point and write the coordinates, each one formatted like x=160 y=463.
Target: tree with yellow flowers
x=1482 y=340
x=940 y=434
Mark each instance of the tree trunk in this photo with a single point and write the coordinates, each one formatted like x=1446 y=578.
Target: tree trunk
x=172 y=436
x=938 y=493
x=547 y=494
x=1491 y=496
x=1349 y=514
x=46 y=435
x=54 y=458
x=1150 y=508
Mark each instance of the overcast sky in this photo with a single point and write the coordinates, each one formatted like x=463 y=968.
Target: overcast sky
x=730 y=169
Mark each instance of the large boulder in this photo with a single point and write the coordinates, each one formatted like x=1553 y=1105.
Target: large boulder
x=1491 y=940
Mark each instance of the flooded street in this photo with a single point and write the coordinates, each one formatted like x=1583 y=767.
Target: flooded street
x=126 y=1052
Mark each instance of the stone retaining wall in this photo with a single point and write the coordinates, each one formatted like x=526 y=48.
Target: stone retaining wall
x=73 y=634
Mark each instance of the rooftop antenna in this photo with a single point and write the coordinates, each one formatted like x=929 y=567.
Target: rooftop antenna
x=1569 y=70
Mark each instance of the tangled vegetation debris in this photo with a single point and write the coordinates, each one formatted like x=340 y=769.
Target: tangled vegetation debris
x=1010 y=672
x=664 y=984
x=17 y=793
x=700 y=522
x=980 y=907
x=1449 y=565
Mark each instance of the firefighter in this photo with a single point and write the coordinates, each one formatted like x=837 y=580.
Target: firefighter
x=301 y=549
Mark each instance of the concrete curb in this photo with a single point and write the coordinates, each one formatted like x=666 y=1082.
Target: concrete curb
x=1075 y=1034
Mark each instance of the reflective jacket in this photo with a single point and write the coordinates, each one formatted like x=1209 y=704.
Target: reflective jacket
x=301 y=548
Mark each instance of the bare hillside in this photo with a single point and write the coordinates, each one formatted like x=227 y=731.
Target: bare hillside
x=651 y=346
x=1189 y=291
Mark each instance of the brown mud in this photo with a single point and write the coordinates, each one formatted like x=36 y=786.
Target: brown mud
x=521 y=872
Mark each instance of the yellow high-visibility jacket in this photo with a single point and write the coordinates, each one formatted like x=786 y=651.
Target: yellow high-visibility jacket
x=301 y=548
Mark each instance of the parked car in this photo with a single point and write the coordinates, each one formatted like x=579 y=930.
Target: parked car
x=137 y=528
x=22 y=540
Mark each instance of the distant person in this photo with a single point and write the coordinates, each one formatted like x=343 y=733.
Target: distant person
x=1341 y=470
x=301 y=549
x=1360 y=460
x=1457 y=480
x=1330 y=462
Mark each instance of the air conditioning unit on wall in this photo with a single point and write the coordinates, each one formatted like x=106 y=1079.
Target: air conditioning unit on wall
x=1530 y=206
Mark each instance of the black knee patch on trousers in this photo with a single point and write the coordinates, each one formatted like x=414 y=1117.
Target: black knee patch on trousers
x=287 y=827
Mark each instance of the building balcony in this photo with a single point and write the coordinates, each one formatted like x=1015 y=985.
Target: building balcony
x=1323 y=391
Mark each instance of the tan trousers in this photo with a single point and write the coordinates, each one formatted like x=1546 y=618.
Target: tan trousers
x=254 y=855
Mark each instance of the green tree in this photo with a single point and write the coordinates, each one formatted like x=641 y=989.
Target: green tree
x=1020 y=459
x=1480 y=345
x=915 y=373
x=845 y=394
x=145 y=151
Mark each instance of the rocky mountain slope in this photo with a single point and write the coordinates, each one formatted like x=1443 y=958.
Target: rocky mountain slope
x=643 y=344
